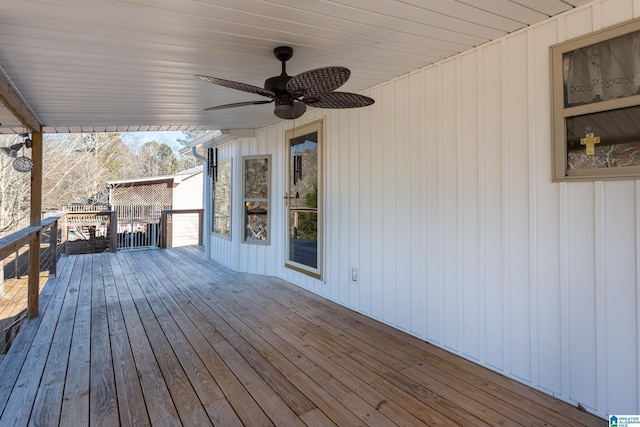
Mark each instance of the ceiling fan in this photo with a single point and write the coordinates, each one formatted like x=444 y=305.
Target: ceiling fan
x=292 y=94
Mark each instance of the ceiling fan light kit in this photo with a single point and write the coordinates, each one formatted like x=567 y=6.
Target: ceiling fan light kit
x=292 y=94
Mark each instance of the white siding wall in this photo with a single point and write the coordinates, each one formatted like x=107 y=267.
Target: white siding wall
x=441 y=195
x=187 y=194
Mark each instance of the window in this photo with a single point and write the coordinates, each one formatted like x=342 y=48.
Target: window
x=257 y=185
x=596 y=105
x=303 y=199
x=222 y=199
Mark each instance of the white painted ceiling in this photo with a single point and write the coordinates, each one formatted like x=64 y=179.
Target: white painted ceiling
x=128 y=65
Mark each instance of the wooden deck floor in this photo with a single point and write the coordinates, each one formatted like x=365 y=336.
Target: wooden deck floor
x=164 y=337
x=13 y=304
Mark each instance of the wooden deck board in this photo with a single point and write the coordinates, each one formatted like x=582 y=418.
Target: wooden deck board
x=159 y=405
x=131 y=405
x=170 y=338
x=48 y=401
x=11 y=367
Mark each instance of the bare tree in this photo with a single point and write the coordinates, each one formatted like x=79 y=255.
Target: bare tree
x=77 y=166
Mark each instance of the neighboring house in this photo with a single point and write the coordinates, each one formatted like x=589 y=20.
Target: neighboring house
x=140 y=201
x=436 y=213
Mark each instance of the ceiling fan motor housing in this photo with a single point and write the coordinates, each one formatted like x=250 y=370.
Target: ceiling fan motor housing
x=278 y=84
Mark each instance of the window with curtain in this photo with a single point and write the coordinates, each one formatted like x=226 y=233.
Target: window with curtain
x=603 y=71
x=596 y=105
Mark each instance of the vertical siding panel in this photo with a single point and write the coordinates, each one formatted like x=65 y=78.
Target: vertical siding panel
x=366 y=208
x=493 y=212
x=353 y=232
x=332 y=199
x=401 y=216
x=431 y=195
x=581 y=294
x=614 y=11
x=319 y=286
x=506 y=260
x=377 y=147
x=637 y=301
x=388 y=205
x=518 y=208
x=578 y=23
x=440 y=283
x=343 y=189
x=275 y=136
x=451 y=279
x=270 y=147
x=547 y=230
x=482 y=232
x=417 y=239
x=532 y=193
x=469 y=233
x=620 y=288
x=600 y=271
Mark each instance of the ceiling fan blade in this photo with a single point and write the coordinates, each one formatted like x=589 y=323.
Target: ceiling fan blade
x=297 y=109
x=237 y=104
x=339 y=100
x=318 y=82
x=237 y=86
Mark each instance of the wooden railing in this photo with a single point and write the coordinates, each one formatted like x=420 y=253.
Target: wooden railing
x=81 y=221
x=31 y=237
x=166 y=225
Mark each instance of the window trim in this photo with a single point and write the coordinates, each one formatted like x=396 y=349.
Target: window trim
x=559 y=112
x=246 y=199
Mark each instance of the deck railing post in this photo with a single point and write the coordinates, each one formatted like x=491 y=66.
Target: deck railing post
x=53 y=248
x=163 y=229
x=35 y=214
x=113 y=232
x=33 y=284
x=200 y=227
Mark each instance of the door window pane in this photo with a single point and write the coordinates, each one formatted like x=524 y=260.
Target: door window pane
x=303 y=199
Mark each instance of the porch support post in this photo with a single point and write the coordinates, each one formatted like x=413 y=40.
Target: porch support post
x=33 y=285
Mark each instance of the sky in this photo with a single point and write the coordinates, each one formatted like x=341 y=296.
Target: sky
x=165 y=137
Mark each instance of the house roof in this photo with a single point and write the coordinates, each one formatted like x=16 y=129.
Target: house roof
x=176 y=178
x=91 y=65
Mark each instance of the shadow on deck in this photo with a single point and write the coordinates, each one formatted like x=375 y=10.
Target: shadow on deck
x=167 y=337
